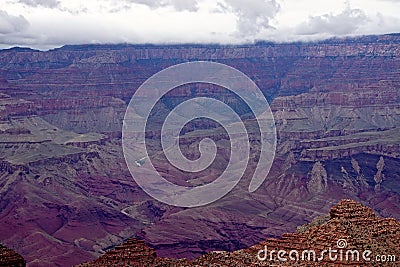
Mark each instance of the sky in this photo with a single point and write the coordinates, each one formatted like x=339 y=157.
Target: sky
x=46 y=24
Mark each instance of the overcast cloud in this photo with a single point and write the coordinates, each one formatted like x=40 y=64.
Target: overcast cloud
x=179 y=5
x=40 y=3
x=346 y=22
x=252 y=16
x=47 y=24
x=10 y=24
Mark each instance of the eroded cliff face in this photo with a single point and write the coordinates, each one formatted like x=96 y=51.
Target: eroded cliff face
x=65 y=187
x=349 y=226
x=74 y=82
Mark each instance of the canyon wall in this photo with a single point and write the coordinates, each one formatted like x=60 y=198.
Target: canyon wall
x=64 y=181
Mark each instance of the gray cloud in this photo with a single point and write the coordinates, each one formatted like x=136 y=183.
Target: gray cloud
x=10 y=24
x=42 y=3
x=253 y=16
x=223 y=21
x=190 y=5
x=14 y=30
x=344 y=23
x=179 y=5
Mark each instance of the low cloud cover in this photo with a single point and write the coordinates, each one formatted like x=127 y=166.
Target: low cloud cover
x=179 y=5
x=346 y=22
x=46 y=24
x=10 y=24
x=252 y=16
x=40 y=3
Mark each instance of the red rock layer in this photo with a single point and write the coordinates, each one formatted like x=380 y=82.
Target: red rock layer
x=134 y=253
x=350 y=226
x=9 y=257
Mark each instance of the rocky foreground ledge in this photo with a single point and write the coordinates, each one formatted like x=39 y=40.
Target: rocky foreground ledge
x=350 y=235
x=9 y=257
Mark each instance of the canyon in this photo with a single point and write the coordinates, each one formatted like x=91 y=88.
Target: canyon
x=66 y=194
x=349 y=226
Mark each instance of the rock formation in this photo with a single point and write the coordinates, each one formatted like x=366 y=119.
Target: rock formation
x=379 y=176
x=318 y=179
x=9 y=258
x=353 y=233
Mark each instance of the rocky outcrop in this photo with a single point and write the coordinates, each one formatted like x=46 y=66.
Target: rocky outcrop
x=133 y=253
x=318 y=182
x=351 y=235
x=379 y=176
x=10 y=258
